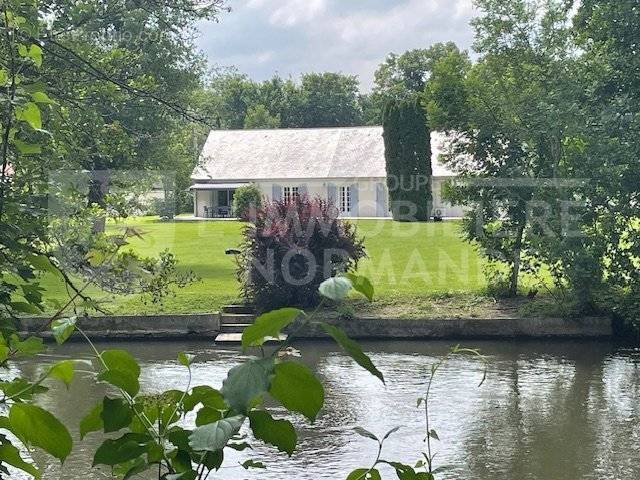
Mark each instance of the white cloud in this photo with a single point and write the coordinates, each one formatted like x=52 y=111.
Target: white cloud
x=289 y=13
x=349 y=36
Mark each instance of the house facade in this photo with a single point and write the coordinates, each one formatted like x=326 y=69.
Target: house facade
x=345 y=165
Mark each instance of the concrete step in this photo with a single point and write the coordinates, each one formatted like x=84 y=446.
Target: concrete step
x=233 y=319
x=238 y=309
x=234 y=327
x=237 y=338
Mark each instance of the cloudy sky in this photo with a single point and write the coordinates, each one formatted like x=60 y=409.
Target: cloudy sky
x=262 y=37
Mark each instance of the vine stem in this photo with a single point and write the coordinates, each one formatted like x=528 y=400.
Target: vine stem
x=140 y=415
x=375 y=463
x=184 y=395
x=434 y=369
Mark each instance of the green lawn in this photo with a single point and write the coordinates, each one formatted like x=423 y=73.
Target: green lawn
x=409 y=263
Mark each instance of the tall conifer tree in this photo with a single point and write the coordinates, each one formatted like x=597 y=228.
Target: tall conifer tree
x=407 y=143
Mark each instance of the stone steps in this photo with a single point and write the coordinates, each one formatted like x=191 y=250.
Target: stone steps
x=233 y=320
x=236 y=318
x=233 y=327
x=238 y=309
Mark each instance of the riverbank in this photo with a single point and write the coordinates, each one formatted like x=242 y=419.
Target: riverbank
x=207 y=326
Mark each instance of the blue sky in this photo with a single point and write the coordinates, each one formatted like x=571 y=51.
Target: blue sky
x=262 y=37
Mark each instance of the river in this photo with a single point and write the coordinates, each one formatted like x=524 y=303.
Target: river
x=554 y=410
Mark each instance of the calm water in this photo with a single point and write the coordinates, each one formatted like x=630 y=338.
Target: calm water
x=548 y=410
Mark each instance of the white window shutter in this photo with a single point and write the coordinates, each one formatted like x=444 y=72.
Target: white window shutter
x=381 y=200
x=332 y=194
x=354 y=200
x=276 y=193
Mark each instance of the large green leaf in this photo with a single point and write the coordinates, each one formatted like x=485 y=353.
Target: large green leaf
x=92 y=422
x=205 y=395
x=116 y=414
x=279 y=433
x=128 y=447
x=35 y=426
x=122 y=371
x=335 y=288
x=406 y=472
x=352 y=348
x=34 y=52
x=42 y=263
x=185 y=359
x=362 y=285
x=25 y=307
x=63 y=371
x=63 y=328
x=190 y=475
x=11 y=456
x=364 y=474
x=139 y=466
x=269 y=324
x=29 y=346
x=41 y=97
x=215 y=436
x=207 y=415
x=30 y=113
x=295 y=386
x=246 y=383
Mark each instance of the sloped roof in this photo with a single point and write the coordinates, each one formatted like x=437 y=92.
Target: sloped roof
x=300 y=153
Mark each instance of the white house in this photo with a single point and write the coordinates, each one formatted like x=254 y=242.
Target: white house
x=346 y=165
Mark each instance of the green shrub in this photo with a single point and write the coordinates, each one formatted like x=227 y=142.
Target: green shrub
x=165 y=208
x=497 y=277
x=623 y=305
x=246 y=200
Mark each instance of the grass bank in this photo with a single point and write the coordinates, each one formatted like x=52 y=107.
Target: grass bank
x=410 y=264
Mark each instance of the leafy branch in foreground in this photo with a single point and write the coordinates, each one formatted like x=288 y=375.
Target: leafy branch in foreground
x=423 y=468
x=155 y=431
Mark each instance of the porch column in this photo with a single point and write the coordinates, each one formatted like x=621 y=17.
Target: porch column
x=195 y=203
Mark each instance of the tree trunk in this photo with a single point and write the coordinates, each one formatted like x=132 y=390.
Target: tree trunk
x=98 y=189
x=515 y=270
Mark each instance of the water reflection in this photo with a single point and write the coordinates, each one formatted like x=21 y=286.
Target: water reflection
x=556 y=410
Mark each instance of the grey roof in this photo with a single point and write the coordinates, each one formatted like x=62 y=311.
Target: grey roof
x=300 y=153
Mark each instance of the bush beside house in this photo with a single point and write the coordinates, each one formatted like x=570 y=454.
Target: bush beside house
x=246 y=201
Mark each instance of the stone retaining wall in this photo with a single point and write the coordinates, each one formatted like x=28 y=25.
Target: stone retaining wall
x=207 y=326
x=138 y=327
x=592 y=327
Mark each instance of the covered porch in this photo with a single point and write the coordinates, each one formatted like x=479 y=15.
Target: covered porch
x=214 y=200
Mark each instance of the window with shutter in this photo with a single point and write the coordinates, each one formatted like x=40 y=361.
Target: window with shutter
x=290 y=193
x=345 y=199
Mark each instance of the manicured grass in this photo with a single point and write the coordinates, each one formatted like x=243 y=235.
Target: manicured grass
x=408 y=262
